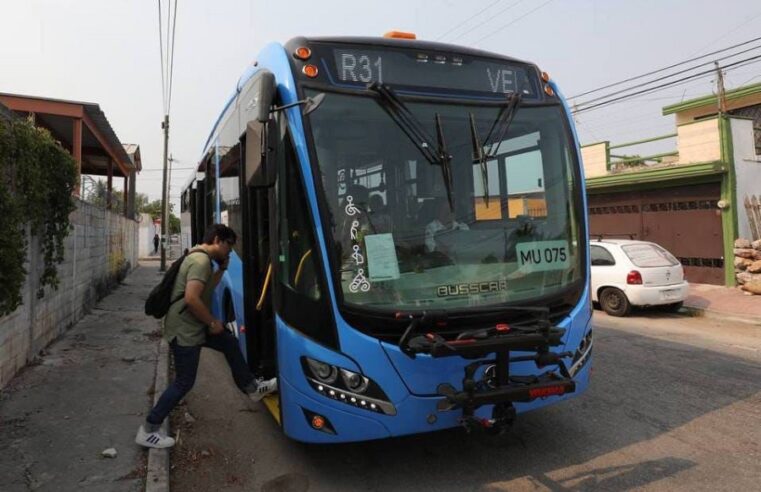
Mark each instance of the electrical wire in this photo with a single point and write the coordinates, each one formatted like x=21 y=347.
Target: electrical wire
x=171 y=65
x=512 y=22
x=664 y=77
x=458 y=25
x=681 y=81
x=664 y=68
x=491 y=18
x=161 y=54
x=730 y=31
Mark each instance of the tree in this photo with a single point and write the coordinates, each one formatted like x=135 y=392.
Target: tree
x=141 y=200
x=154 y=209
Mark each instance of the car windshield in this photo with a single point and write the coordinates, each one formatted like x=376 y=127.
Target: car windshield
x=510 y=232
x=649 y=255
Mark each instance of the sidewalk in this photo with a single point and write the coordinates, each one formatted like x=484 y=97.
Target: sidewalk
x=723 y=302
x=89 y=392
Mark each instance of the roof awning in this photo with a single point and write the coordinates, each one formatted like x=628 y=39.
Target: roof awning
x=99 y=143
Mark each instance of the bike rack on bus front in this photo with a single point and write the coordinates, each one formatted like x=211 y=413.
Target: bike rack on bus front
x=500 y=389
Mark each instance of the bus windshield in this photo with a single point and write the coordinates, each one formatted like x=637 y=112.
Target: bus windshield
x=508 y=229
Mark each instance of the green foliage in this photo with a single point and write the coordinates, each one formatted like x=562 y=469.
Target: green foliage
x=154 y=209
x=174 y=224
x=37 y=178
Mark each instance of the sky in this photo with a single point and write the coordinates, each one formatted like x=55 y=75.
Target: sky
x=107 y=52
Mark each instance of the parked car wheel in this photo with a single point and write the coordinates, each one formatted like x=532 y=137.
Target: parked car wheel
x=614 y=302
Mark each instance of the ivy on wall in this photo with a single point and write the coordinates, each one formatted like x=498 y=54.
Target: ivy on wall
x=37 y=178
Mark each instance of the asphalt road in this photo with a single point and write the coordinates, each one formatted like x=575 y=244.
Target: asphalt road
x=674 y=404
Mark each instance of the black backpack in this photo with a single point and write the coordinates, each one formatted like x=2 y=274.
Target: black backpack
x=159 y=300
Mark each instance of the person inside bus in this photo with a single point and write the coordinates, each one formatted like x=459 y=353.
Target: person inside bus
x=380 y=220
x=443 y=220
x=189 y=325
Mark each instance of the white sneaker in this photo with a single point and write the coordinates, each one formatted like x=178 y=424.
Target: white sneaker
x=263 y=388
x=153 y=439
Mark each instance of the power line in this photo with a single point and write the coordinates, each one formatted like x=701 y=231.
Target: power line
x=664 y=68
x=681 y=81
x=730 y=31
x=161 y=54
x=171 y=65
x=491 y=18
x=643 y=84
x=457 y=26
x=160 y=170
x=512 y=22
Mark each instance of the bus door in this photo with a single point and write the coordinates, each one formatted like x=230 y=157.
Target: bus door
x=258 y=207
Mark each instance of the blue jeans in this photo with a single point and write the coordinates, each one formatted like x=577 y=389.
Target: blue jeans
x=186 y=367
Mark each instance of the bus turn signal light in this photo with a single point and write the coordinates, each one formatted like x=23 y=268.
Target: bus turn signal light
x=310 y=71
x=548 y=90
x=318 y=422
x=302 y=53
x=400 y=35
x=545 y=76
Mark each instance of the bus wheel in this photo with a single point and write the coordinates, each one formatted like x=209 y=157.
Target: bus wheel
x=614 y=302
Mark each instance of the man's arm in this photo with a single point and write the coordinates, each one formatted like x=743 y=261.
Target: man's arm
x=217 y=276
x=193 y=292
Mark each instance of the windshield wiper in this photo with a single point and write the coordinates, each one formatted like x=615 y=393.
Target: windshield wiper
x=436 y=154
x=499 y=127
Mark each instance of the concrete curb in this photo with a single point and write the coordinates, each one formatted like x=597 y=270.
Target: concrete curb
x=157 y=475
x=712 y=314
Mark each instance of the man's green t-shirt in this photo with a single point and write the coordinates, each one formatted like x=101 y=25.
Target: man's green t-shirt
x=179 y=323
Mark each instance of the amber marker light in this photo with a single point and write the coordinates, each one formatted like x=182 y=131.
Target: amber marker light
x=400 y=35
x=545 y=76
x=302 y=53
x=310 y=71
x=318 y=422
x=548 y=90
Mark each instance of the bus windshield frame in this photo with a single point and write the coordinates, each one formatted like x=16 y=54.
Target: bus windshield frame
x=499 y=225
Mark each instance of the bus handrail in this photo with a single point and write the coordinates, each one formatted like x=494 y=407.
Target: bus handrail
x=301 y=267
x=263 y=295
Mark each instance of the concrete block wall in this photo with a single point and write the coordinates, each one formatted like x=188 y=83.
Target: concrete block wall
x=101 y=248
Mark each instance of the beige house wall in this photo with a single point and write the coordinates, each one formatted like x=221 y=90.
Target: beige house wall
x=595 y=159
x=699 y=142
x=690 y=115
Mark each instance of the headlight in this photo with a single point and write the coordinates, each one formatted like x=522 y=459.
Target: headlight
x=351 y=388
x=322 y=371
x=354 y=382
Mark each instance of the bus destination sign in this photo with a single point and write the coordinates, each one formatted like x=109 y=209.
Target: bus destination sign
x=432 y=70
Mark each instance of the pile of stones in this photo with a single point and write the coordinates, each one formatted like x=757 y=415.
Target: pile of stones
x=748 y=265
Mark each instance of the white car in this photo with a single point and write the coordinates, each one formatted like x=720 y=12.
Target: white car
x=628 y=273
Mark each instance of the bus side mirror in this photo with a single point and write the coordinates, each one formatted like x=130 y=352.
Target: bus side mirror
x=264 y=95
x=260 y=153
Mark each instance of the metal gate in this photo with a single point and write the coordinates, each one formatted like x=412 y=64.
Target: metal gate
x=685 y=220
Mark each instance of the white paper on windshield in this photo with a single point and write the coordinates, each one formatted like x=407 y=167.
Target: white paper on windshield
x=381 y=257
x=542 y=256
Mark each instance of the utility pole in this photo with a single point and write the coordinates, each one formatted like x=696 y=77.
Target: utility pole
x=721 y=97
x=164 y=193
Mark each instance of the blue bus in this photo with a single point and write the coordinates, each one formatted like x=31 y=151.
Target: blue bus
x=413 y=250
